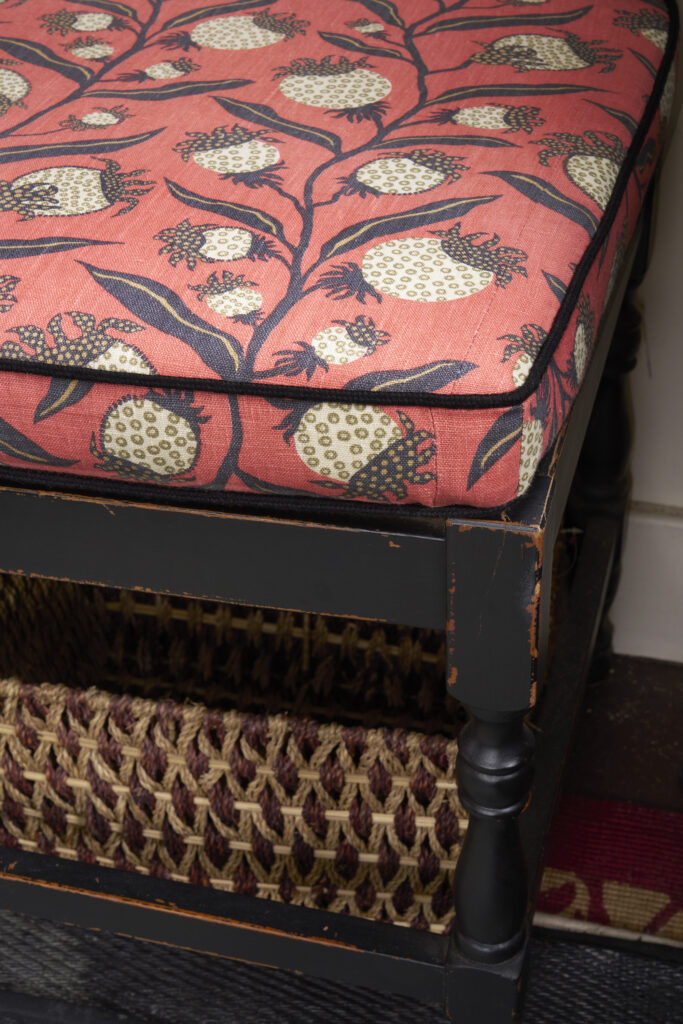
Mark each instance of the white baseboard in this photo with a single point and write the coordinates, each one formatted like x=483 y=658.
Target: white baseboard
x=648 y=609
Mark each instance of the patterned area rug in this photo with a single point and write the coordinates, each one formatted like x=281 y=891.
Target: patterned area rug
x=616 y=865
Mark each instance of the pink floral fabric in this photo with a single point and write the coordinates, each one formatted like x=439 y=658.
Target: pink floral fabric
x=345 y=248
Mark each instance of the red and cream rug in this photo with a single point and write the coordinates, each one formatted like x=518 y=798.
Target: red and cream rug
x=613 y=865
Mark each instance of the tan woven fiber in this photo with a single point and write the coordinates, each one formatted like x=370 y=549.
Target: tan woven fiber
x=225 y=656
x=356 y=820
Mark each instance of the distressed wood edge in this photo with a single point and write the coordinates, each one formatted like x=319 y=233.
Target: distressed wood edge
x=336 y=947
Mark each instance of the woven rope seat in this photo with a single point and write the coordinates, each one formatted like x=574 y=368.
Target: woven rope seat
x=314 y=329
x=328 y=801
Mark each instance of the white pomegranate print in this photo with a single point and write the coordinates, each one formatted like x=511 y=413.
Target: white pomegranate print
x=343 y=342
x=521 y=368
x=80 y=21
x=591 y=163
x=400 y=174
x=667 y=101
x=94 y=346
x=13 y=88
x=247 y=32
x=522 y=350
x=536 y=52
x=361 y=450
x=583 y=339
x=530 y=453
x=96 y=21
x=69 y=191
x=240 y=154
x=162 y=71
x=153 y=438
x=231 y=296
x=212 y=243
x=347 y=341
x=122 y=358
x=99 y=118
x=90 y=49
x=221 y=243
x=351 y=88
x=653 y=25
x=493 y=117
x=428 y=270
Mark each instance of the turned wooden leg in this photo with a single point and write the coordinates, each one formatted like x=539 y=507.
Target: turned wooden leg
x=494 y=772
x=494 y=593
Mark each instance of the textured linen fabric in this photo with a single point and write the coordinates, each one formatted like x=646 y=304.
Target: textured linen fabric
x=357 y=249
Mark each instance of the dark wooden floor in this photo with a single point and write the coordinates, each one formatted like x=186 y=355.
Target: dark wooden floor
x=629 y=743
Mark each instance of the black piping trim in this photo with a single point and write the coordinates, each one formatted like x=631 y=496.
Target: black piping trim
x=302 y=507
x=424 y=399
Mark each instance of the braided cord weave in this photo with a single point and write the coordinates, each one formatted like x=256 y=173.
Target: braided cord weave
x=359 y=820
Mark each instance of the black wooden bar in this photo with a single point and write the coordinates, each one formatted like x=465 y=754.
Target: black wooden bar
x=269 y=934
x=224 y=557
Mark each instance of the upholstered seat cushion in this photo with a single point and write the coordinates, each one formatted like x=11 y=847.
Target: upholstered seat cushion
x=357 y=250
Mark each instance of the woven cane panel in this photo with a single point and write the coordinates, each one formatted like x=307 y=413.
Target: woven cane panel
x=257 y=789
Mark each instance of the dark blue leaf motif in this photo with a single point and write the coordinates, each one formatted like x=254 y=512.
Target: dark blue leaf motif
x=499 y=439
x=44 y=57
x=386 y=10
x=158 y=306
x=263 y=115
x=359 y=45
x=17 y=446
x=254 y=483
x=445 y=140
x=429 y=377
x=542 y=192
x=45 y=150
x=210 y=11
x=645 y=62
x=258 y=219
x=61 y=393
x=120 y=10
x=628 y=122
x=20 y=248
x=647 y=155
x=470 y=92
x=432 y=213
x=557 y=287
x=542 y=20
x=171 y=91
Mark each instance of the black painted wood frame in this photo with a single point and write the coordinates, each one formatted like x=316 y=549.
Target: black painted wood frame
x=486 y=581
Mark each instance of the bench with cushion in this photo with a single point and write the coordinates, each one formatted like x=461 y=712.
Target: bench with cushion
x=309 y=309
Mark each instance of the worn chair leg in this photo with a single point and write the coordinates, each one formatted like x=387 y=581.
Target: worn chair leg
x=492 y=636
x=494 y=771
